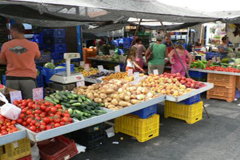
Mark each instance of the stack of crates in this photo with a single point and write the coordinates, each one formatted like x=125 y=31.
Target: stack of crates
x=143 y=124
x=92 y=137
x=190 y=112
x=198 y=76
x=20 y=149
x=224 y=87
x=55 y=41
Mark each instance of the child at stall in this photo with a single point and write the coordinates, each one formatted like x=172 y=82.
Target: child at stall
x=131 y=63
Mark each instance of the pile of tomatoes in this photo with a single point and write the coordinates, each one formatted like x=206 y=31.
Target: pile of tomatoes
x=40 y=115
x=218 y=68
x=7 y=126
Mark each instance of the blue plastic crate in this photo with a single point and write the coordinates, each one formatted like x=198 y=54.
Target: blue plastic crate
x=57 y=56
x=44 y=58
x=192 y=100
x=4 y=79
x=48 y=73
x=57 y=48
x=120 y=51
x=146 y=112
x=197 y=74
x=54 y=40
x=210 y=55
x=38 y=38
x=54 y=32
x=115 y=43
x=40 y=81
x=127 y=42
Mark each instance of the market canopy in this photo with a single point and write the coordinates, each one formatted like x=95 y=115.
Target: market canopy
x=76 y=12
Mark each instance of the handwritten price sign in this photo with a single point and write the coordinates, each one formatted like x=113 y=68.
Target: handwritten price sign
x=37 y=93
x=15 y=95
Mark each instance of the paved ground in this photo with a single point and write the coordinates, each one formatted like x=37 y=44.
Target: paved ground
x=217 y=138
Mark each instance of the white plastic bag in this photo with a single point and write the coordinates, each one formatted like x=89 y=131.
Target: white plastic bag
x=35 y=152
x=8 y=110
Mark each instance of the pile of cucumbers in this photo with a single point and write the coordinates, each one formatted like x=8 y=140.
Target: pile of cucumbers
x=79 y=106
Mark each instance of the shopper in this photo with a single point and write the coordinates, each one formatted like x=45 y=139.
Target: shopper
x=223 y=48
x=176 y=64
x=167 y=42
x=131 y=63
x=19 y=54
x=155 y=56
x=139 y=53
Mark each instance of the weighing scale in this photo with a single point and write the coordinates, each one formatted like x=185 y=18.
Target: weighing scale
x=68 y=77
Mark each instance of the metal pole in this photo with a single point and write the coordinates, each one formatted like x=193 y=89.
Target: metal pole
x=165 y=31
x=132 y=42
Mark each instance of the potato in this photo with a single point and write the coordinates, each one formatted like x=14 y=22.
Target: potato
x=103 y=96
x=107 y=104
x=109 y=99
x=98 y=100
x=122 y=103
x=109 y=91
x=95 y=95
x=114 y=102
x=116 y=96
x=91 y=87
x=105 y=100
x=134 y=101
x=121 y=96
x=111 y=106
x=127 y=98
x=90 y=95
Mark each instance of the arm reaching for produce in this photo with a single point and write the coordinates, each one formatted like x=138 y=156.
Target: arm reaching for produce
x=170 y=57
x=140 y=68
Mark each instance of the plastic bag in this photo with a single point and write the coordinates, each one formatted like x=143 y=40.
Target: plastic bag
x=8 y=110
x=35 y=152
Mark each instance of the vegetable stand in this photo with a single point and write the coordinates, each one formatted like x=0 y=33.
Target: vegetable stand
x=107 y=64
x=77 y=125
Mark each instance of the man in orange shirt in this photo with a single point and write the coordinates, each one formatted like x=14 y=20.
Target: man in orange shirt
x=19 y=54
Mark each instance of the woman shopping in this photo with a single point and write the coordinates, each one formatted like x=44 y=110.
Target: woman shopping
x=155 y=55
x=223 y=48
x=140 y=51
x=176 y=64
x=131 y=63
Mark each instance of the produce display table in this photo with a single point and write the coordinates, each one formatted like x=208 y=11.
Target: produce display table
x=77 y=125
x=190 y=94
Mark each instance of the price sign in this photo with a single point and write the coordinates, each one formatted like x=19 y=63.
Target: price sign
x=136 y=76
x=86 y=67
x=15 y=95
x=117 y=69
x=37 y=93
x=80 y=83
x=130 y=72
x=155 y=72
x=82 y=63
x=100 y=68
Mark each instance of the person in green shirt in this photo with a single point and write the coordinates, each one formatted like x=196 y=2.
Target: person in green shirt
x=159 y=52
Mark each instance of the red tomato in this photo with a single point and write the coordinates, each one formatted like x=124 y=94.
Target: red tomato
x=37 y=111
x=29 y=100
x=46 y=120
x=29 y=112
x=24 y=123
x=65 y=119
x=24 y=110
x=42 y=115
x=57 y=120
x=13 y=122
x=43 y=107
x=20 y=121
x=4 y=132
x=32 y=128
x=29 y=120
x=56 y=125
x=53 y=110
x=24 y=104
x=62 y=123
x=49 y=127
x=30 y=104
x=47 y=109
x=58 y=106
x=15 y=103
x=21 y=115
x=47 y=104
x=42 y=127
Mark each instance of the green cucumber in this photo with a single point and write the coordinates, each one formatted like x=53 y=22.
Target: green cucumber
x=73 y=101
x=58 y=97
x=80 y=99
x=74 y=95
x=76 y=104
x=83 y=97
x=65 y=104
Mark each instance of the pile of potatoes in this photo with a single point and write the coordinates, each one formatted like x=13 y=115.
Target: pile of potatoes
x=116 y=94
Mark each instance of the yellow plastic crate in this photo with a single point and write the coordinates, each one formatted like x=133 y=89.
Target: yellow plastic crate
x=15 y=150
x=142 y=129
x=190 y=113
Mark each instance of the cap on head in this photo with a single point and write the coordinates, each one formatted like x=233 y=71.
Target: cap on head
x=18 y=27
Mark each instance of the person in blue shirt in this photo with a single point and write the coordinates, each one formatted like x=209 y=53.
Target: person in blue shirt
x=223 y=48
